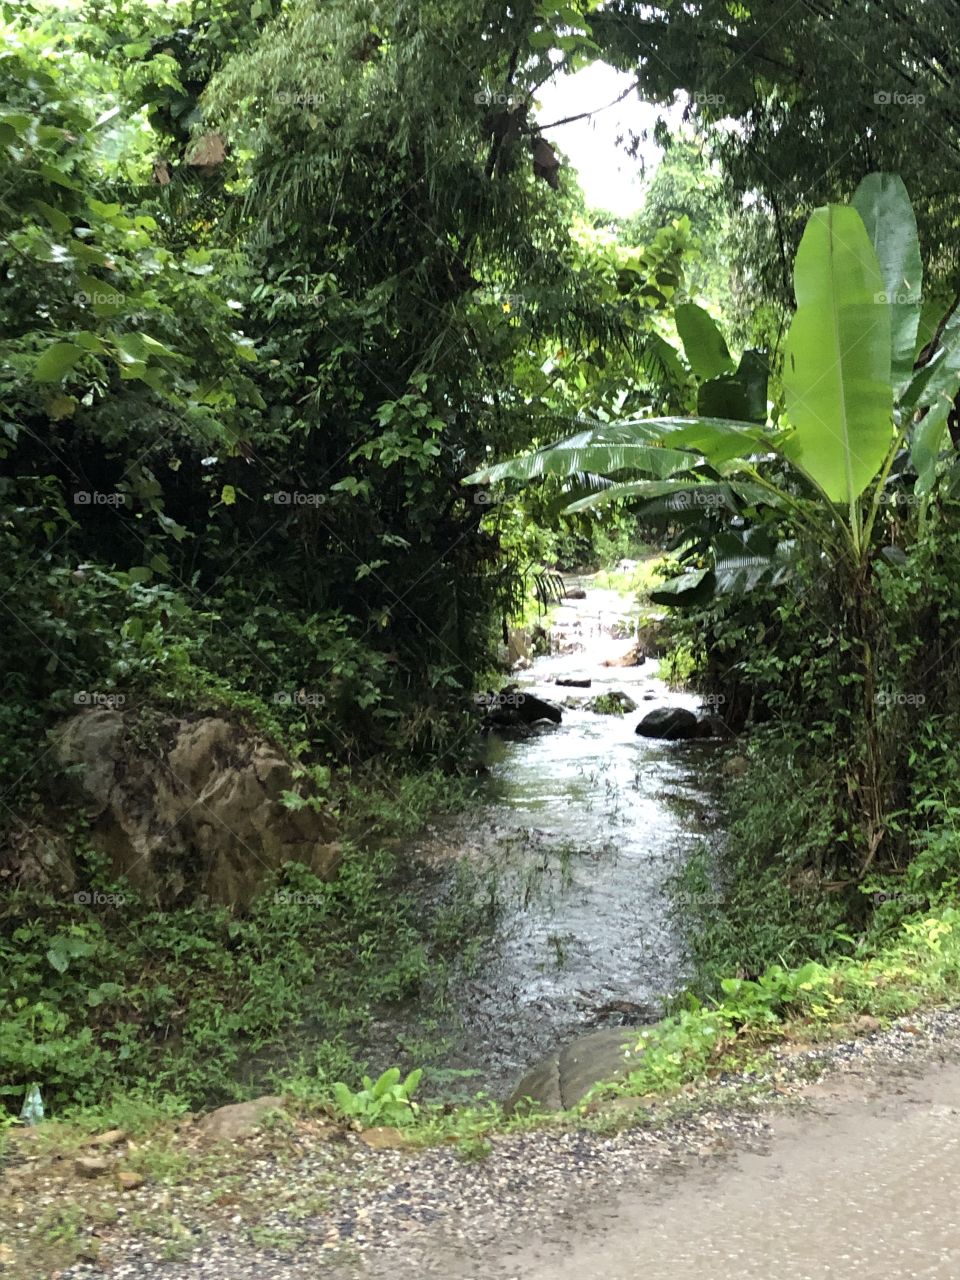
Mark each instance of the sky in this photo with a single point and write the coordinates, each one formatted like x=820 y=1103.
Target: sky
x=609 y=177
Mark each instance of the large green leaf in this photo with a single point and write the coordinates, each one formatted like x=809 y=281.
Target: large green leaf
x=56 y=362
x=740 y=395
x=659 y=359
x=926 y=442
x=604 y=449
x=684 y=494
x=737 y=574
x=882 y=202
x=934 y=312
x=574 y=488
x=837 y=360
x=689 y=589
x=702 y=341
x=660 y=447
x=718 y=439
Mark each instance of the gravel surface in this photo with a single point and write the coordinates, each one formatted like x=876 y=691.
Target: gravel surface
x=330 y=1205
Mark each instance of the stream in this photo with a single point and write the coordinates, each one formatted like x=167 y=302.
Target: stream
x=578 y=826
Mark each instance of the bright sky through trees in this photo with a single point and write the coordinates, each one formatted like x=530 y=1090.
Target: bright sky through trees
x=611 y=179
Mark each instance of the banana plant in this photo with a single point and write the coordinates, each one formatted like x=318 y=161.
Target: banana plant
x=853 y=396
x=858 y=394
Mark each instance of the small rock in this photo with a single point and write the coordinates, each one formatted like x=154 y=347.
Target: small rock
x=866 y=1024
x=736 y=767
x=383 y=1138
x=112 y=1138
x=574 y=682
x=319 y=1132
x=129 y=1179
x=238 y=1120
x=623 y=1107
x=91 y=1166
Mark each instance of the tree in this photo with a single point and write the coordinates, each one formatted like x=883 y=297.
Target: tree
x=279 y=363
x=819 y=93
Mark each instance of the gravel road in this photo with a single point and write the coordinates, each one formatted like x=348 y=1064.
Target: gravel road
x=866 y=1190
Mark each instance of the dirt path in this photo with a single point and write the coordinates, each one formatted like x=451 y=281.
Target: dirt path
x=866 y=1189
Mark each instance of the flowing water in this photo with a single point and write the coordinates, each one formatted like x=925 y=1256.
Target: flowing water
x=579 y=826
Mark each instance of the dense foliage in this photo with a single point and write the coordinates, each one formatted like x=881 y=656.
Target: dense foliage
x=803 y=100
x=280 y=346
x=277 y=278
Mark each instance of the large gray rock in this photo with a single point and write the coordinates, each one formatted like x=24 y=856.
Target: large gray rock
x=189 y=809
x=670 y=723
x=238 y=1120
x=512 y=706
x=561 y=1080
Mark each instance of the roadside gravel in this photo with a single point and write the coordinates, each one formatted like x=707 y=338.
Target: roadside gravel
x=322 y=1204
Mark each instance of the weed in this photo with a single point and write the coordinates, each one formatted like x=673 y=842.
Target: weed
x=388 y=1100
x=280 y=1240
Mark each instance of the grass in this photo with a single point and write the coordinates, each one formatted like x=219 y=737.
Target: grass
x=814 y=1002
x=919 y=967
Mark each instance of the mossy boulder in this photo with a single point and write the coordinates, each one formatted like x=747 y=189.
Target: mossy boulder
x=188 y=810
x=612 y=703
x=565 y=1077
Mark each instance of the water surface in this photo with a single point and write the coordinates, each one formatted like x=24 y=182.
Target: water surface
x=580 y=825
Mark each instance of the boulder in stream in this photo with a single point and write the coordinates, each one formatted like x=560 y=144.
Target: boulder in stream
x=613 y=703
x=635 y=657
x=530 y=709
x=670 y=723
x=676 y=724
x=564 y=1078
x=512 y=706
x=574 y=682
